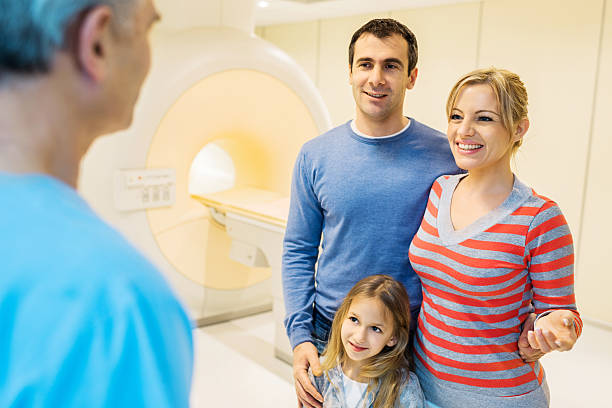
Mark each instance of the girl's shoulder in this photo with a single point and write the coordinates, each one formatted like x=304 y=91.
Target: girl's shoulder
x=326 y=379
x=411 y=394
x=321 y=383
x=329 y=386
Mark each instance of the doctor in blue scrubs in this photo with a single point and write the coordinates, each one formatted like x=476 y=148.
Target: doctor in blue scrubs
x=85 y=320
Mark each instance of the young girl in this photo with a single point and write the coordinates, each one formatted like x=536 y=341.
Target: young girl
x=366 y=361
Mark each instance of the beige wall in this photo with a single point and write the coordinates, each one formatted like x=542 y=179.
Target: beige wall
x=557 y=48
x=555 y=52
x=300 y=40
x=594 y=278
x=440 y=62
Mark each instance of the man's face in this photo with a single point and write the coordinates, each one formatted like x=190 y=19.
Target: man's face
x=379 y=77
x=131 y=61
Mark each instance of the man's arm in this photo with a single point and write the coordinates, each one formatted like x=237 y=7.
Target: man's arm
x=300 y=253
x=528 y=353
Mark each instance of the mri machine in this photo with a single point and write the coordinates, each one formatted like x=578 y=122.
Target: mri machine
x=200 y=181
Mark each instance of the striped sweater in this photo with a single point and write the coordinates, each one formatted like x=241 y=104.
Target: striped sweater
x=479 y=285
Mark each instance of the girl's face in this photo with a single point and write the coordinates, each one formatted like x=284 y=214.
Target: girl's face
x=367 y=329
x=477 y=136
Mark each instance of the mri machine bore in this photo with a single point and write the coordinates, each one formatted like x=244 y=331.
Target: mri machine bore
x=200 y=182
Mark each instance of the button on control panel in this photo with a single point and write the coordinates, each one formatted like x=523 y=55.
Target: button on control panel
x=139 y=189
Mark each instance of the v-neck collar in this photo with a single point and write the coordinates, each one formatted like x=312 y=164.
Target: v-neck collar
x=449 y=236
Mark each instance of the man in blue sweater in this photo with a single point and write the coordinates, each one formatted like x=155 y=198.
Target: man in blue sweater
x=361 y=187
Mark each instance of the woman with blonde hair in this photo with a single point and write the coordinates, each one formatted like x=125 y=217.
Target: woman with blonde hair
x=366 y=362
x=488 y=252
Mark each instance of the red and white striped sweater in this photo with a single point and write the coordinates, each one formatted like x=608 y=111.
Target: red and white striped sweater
x=479 y=285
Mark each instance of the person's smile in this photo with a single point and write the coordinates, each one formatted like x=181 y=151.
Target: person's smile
x=356 y=348
x=375 y=95
x=468 y=147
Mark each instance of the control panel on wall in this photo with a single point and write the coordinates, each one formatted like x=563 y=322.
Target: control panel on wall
x=139 y=189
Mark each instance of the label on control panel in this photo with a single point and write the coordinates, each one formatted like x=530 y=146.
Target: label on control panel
x=139 y=189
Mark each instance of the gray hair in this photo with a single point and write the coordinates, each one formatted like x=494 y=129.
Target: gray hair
x=33 y=30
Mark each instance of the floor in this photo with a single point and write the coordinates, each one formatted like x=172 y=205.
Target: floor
x=235 y=367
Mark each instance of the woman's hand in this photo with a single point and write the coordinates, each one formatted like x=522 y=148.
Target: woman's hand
x=555 y=331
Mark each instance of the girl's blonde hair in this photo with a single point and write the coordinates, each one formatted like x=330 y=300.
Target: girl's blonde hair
x=509 y=90
x=387 y=370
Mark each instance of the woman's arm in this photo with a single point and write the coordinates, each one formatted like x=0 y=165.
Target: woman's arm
x=551 y=269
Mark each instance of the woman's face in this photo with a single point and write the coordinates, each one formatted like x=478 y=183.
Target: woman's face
x=477 y=136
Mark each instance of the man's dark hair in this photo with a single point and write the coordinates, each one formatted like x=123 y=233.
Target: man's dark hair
x=383 y=28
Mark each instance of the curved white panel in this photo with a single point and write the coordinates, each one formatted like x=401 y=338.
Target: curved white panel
x=178 y=240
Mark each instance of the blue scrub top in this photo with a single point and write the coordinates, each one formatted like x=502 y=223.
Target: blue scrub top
x=85 y=320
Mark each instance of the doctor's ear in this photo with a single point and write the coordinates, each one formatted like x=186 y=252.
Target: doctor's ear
x=94 y=34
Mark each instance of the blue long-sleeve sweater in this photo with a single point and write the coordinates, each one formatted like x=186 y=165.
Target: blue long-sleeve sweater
x=363 y=200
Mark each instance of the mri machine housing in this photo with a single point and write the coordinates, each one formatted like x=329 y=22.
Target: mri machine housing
x=223 y=113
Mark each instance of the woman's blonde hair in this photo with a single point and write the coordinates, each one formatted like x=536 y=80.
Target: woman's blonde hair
x=509 y=90
x=387 y=370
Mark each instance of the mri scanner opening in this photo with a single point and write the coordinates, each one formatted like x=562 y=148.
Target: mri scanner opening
x=241 y=148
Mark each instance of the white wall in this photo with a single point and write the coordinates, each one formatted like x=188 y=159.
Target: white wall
x=448 y=46
x=558 y=48
x=595 y=248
